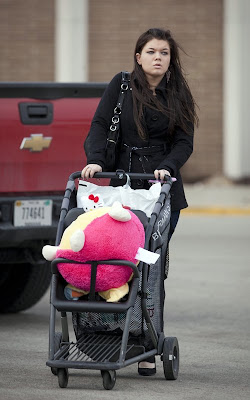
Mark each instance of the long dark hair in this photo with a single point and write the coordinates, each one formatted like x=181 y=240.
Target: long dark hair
x=180 y=107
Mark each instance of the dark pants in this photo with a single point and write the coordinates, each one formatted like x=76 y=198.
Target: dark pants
x=173 y=222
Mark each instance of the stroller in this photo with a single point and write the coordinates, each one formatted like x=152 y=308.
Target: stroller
x=110 y=336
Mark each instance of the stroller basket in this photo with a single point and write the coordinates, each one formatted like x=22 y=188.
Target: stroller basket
x=95 y=351
x=110 y=336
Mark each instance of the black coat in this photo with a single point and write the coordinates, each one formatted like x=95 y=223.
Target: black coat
x=172 y=153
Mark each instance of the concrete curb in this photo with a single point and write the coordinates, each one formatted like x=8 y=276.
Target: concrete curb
x=237 y=211
x=217 y=197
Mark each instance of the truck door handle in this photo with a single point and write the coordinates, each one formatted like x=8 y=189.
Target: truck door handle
x=36 y=113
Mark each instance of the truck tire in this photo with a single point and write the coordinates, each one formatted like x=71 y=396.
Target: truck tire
x=22 y=285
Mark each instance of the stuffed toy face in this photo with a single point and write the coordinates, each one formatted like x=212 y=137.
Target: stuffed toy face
x=103 y=234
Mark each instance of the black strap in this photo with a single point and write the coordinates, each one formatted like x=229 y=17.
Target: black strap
x=113 y=134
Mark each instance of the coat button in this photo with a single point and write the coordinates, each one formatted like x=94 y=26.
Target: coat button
x=154 y=117
x=139 y=182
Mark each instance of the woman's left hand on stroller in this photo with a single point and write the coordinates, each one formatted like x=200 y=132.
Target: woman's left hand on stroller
x=90 y=170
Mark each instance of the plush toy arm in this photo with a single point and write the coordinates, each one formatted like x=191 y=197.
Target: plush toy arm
x=77 y=240
x=119 y=213
x=49 y=252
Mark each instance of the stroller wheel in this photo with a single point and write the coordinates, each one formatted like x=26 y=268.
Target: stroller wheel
x=109 y=379
x=170 y=358
x=63 y=377
x=54 y=370
x=58 y=340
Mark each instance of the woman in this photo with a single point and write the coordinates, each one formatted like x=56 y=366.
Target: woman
x=156 y=124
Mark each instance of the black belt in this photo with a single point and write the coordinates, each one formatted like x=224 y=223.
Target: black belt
x=142 y=152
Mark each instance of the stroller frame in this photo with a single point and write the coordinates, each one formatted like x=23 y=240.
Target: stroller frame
x=107 y=351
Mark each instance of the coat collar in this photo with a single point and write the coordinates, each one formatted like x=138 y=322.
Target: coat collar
x=161 y=88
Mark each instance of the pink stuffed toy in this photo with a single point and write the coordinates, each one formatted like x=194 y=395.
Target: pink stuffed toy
x=102 y=234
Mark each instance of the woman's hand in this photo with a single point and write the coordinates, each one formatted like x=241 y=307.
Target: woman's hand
x=160 y=174
x=90 y=170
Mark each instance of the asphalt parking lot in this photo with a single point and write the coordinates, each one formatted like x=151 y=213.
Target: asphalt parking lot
x=207 y=308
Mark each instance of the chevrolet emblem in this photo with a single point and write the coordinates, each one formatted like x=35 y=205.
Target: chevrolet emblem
x=36 y=142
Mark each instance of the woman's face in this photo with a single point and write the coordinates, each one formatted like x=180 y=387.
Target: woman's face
x=154 y=58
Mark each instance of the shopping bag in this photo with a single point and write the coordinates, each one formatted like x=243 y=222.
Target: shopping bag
x=139 y=199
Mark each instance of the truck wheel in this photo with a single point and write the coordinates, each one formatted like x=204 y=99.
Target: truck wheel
x=22 y=285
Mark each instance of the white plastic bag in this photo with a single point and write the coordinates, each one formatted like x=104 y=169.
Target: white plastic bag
x=139 y=199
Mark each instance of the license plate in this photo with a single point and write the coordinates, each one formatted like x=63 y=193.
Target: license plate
x=33 y=212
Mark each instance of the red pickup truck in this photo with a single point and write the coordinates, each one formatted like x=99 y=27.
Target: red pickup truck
x=42 y=130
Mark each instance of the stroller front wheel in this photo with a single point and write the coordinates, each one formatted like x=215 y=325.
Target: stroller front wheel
x=109 y=379
x=63 y=377
x=58 y=341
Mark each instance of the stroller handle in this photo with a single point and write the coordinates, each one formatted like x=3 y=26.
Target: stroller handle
x=119 y=174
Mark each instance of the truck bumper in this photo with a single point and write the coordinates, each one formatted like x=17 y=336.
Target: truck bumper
x=12 y=236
